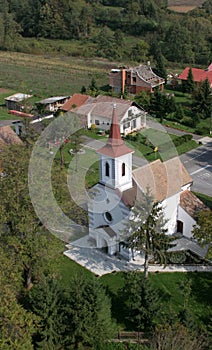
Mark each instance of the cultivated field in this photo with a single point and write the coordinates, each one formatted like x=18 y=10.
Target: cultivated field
x=184 y=5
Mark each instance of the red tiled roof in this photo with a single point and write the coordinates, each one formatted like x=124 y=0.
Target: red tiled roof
x=210 y=67
x=76 y=100
x=191 y=204
x=9 y=137
x=115 y=146
x=198 y=74
x=165 y=179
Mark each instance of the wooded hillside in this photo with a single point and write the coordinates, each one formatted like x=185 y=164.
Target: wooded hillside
x=116 y=29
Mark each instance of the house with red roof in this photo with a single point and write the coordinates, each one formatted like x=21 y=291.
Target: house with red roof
x=74 y=101
x=99 y=110
x=199 y=75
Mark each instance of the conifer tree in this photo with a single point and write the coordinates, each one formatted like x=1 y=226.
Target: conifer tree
x=88 y=313
x=189 y=85
x=148 y=232
x=142 y=301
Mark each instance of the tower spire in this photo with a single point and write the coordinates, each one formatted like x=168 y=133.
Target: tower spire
x=115 y=146
x=115 y=135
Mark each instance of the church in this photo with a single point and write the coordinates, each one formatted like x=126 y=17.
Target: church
x=112 y=198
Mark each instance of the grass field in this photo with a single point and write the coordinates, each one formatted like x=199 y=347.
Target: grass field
x=50 y=75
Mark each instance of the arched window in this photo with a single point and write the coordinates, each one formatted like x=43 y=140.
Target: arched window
x=107 y=169
x=123 y=169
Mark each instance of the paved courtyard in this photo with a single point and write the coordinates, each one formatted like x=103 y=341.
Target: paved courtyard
x=82 y=252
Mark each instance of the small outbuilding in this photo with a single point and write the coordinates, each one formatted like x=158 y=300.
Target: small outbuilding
x=16 y=101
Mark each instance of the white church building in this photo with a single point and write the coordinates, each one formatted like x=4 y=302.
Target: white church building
x=112 y=198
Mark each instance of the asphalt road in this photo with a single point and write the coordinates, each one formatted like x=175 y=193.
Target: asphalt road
x=198 y=163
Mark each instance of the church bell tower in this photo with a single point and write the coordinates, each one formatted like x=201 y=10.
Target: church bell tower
x=115 y=159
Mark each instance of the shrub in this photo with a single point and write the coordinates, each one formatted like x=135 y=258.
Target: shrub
x=202 y=130
x=188 y=121
x=187 y=137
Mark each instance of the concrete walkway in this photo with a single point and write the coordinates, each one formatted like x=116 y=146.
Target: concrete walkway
x=100 y=264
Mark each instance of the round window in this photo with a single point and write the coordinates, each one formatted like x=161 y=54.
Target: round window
x=108 y=216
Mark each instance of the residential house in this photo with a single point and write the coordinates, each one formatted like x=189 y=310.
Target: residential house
x=135 y=79
x=52 y=104
x=16 y=101
x=74 y=101
x=199 y=75
x=98 y=111
x=119 y=186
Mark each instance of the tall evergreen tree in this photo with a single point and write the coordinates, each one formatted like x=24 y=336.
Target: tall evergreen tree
x=147 y=230
x=142 y=301
x=88 y=313
x=47 y=301
x=202 y=100
x=189 y=85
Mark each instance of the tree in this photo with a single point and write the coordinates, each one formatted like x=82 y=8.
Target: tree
x=202 y=99
x=9 y=29
x=23 y=235
x=147 y=230
x=142 y=301
x=179 y=114
x=47 y=301
x=175 y=337
x=186 y=317
x=158 y=104
x=16 y=324
x=202 y=231
x=143 y=99
x=189 y=85
x=106 y=46
x=177 y=46
x=160 y=65
x=139 y=52
x=88 y=313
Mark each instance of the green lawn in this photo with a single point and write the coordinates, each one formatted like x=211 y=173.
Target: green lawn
x=207 y=200
x=169 y=285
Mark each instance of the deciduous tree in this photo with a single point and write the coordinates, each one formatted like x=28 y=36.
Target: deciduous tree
x=202 y=231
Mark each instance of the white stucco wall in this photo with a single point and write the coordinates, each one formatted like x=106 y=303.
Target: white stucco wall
x=116 y=180
x=188 y=222
x=104 y=122
x=106 y=200
x=170 y=207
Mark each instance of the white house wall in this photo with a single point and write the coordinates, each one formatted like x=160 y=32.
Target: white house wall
x=170 y=206
x=104 y=122
x=187 y=220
